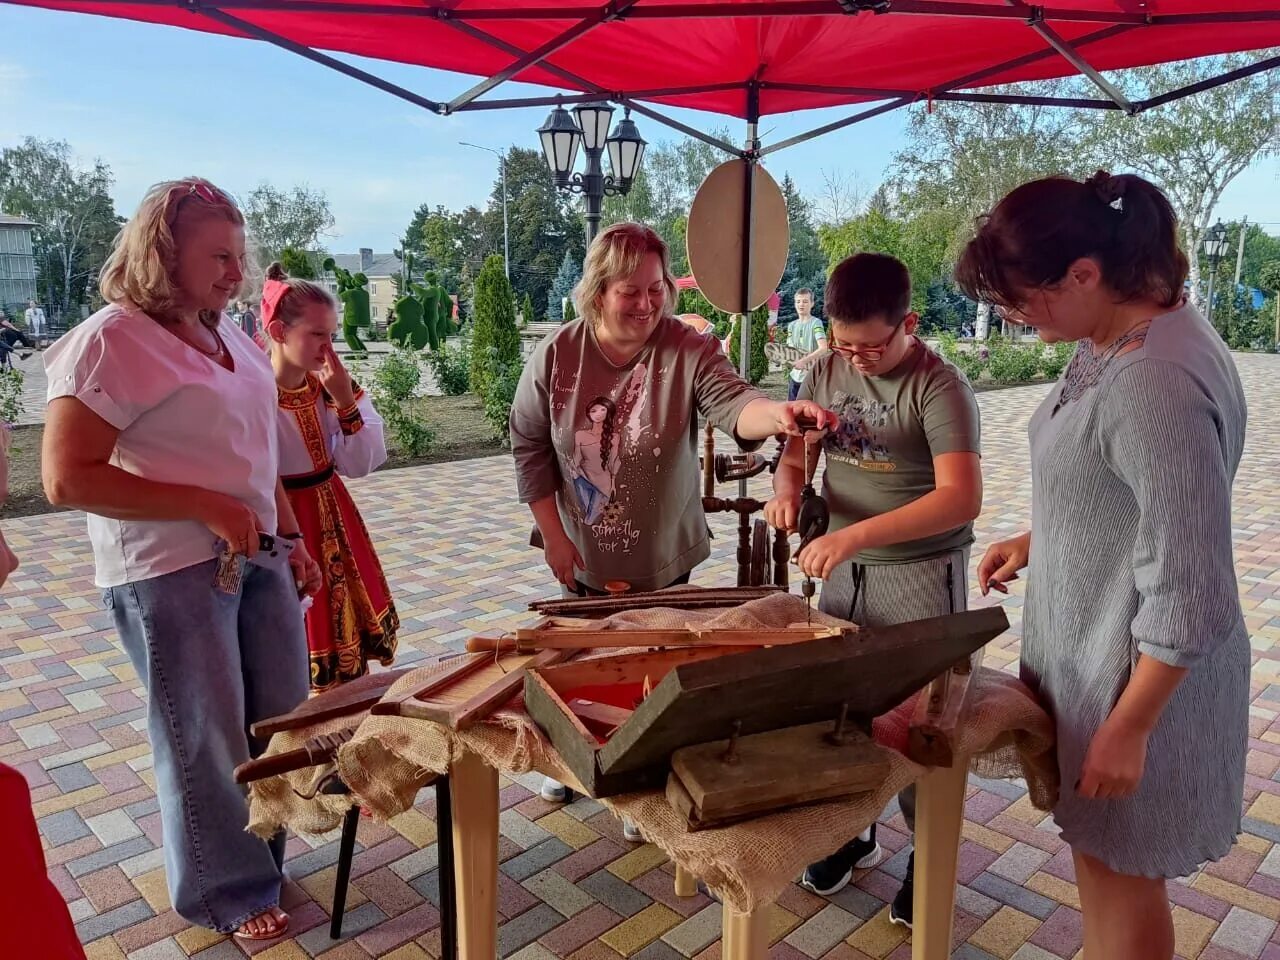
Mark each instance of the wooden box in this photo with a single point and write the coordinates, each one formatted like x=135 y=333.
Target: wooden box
x=705 y=694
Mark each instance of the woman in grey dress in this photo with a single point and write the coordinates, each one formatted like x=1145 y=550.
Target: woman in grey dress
x=1133 y=633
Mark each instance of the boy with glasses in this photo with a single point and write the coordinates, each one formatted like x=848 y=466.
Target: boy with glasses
x=903 y=481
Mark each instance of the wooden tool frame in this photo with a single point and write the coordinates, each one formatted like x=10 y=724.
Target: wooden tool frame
x=424 y=702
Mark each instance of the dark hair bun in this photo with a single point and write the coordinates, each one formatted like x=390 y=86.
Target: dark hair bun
x=276 y=272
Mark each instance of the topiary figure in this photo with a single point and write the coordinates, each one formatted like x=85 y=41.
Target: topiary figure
x=426 y=295
x=408 y=329
x=355 y=304
x=444 y=319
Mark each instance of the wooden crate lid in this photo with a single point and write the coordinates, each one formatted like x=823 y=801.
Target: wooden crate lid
x=872 y=670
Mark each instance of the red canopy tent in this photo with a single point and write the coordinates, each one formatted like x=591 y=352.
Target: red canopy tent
x=743 y=58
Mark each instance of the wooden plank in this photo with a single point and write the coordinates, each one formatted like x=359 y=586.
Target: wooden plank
x=554 y=637
x=940 y=714
x=599 y=717
x=778 y=769
x=464 y=666
x=354 y=697
x=682 y=598
x=474 y=792
x=869 y=670
x=939 y=819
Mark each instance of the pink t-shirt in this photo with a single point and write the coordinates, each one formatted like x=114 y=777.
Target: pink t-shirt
x=183 y=418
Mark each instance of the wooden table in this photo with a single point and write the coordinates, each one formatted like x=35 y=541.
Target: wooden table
x=939 y=817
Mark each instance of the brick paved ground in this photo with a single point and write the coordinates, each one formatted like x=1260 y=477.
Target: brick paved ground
x=71 y=720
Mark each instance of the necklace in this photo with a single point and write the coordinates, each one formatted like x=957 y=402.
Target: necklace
x=1087 y=366
x=217 y=351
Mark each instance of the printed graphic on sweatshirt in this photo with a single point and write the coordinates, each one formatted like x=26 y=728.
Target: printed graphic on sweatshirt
x=859 y=441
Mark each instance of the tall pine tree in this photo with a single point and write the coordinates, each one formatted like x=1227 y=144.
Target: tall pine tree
x=567 y=277
x=495 y=339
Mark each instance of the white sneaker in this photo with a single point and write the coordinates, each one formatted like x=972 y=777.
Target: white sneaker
x=553 y=791
x=630 y=832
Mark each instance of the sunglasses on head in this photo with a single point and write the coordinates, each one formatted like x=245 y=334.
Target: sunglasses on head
x=203 y=192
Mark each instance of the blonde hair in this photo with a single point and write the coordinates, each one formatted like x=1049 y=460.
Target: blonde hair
x=140 y=267
x=616 y=253
x=293 y=303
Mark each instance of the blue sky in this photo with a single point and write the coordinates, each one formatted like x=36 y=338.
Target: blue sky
x=159 y=102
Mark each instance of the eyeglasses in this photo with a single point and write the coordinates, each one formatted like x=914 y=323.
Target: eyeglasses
x=193 y=188
x=870 y=353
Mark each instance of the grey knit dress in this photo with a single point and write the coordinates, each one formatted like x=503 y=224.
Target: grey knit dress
x=1131 y=554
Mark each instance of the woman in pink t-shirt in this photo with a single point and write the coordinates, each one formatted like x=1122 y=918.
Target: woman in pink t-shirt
x=161 y=427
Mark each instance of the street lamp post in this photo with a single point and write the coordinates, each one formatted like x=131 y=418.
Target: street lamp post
x=502 y=165
x=561 y=137
x=1215 y=248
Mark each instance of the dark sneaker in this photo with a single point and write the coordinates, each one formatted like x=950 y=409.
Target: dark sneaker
x=834 y=873
x=903 y=904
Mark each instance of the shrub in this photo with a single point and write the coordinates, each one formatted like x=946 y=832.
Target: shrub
x=11 y=405
x=759 y=337
x=1055 y=359
x=502 y=393
x=394 y=383
x=450 y=365
x=1013 y=362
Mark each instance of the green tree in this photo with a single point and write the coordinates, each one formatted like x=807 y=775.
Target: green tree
x=297 y=263
x=1194 y=147
x=1260 y=248
x=440 y=241
x=495 y=340
x=569 y=313
x=74 y=216
x=277 y=219
x=1269 y=279
x=527 y=316
x=542 y=225
x=562 y=286
x=919 y=242
x=759 y=366
x=804 y=255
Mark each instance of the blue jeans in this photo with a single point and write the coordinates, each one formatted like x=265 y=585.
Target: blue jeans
x=213 y=664
x=793 y=388
x=590 y=499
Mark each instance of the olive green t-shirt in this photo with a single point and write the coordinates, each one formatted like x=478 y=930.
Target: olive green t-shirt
x=891 y=428
x=616 y=445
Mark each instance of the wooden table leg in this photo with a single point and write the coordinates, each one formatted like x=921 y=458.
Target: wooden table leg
x=745 y=936
x=686 y=883
x=939 y=818
x=474 y=791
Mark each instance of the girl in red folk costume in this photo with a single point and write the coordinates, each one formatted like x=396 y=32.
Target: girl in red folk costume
x=327 y=427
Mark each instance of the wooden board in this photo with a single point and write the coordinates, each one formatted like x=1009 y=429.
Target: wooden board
x=777 y=769
x=940 y=714
x=353 y=697
x=563 y=633
x=682 y=598
x=717 y=233
x=871 y=670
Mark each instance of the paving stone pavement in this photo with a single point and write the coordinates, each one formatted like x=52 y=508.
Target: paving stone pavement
x=71 y=719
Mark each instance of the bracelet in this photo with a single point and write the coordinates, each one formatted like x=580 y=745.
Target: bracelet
x=289 y=536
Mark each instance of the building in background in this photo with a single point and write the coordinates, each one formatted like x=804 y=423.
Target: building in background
x=17 y=264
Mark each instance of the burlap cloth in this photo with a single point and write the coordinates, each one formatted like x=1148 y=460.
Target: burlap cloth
x=390 y=758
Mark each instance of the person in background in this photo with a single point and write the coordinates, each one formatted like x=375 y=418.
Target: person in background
x=328 y=430
x=161 y=426
x=35 y=320
x=1132 y=631
x=806 y=333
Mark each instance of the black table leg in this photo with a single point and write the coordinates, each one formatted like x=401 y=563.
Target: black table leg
x=346 y=851
x=448 y=893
